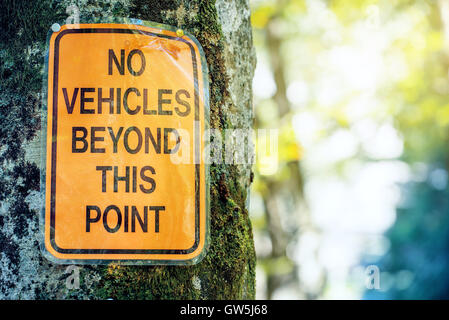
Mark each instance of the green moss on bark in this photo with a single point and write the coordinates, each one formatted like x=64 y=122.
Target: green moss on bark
x=226 y=272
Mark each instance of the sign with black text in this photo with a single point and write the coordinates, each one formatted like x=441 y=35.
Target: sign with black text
x=125 y=103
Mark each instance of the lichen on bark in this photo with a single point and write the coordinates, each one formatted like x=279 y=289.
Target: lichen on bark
x=228 y=270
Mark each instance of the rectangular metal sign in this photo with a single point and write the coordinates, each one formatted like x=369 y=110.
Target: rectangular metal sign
x=124 y=177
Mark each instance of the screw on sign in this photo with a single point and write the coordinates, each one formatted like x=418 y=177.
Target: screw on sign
x=122 y=100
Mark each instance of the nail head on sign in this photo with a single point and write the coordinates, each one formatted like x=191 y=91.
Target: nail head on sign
x=179 y=32
x=55 y=27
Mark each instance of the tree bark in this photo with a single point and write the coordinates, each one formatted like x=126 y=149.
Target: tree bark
x=228 y=270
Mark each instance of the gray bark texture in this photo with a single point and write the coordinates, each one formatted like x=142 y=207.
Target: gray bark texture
x=228 y=270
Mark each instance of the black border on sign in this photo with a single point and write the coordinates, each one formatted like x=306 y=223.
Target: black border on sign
x=54 y=145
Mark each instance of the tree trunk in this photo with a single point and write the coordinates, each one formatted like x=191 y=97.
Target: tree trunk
x=228 y=270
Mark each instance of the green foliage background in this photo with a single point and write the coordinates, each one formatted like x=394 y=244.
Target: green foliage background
x=391 y=69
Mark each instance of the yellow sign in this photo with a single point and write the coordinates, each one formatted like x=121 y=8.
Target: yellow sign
x=125 y=177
